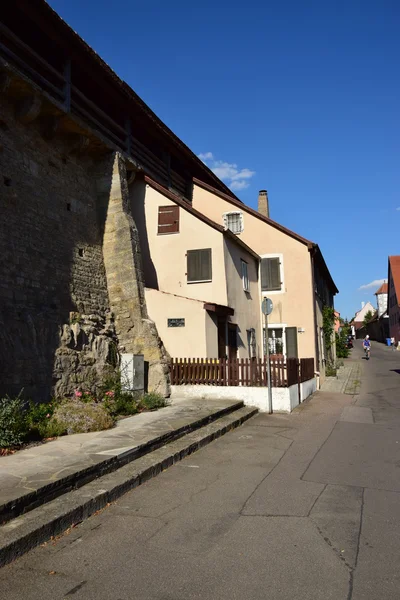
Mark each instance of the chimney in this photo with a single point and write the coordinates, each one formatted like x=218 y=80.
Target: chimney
x=263 y=204
x=362 y=304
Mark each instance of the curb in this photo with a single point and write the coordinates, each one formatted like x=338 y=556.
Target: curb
x=37 y=526
x=32 y=500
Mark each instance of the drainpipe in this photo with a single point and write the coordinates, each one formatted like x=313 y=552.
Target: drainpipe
x=311 y=249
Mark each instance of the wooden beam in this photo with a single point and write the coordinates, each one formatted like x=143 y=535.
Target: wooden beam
x=5 y=80
x=219 y=309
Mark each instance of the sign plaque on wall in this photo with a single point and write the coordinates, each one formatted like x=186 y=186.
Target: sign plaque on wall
x=176 y=322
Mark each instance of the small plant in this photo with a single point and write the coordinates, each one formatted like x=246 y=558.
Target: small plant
x=75 y=318
x=80 y=417
x=38 y=416
x=124 y=403
x=330 y=370
x=153 y=401
x=86 y=397
x=13 y=422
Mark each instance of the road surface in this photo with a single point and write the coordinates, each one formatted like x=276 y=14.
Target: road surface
x=303 y=506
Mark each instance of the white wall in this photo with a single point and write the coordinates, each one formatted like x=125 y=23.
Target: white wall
x=307 y=388
x=194 y=340
x=247 y=305
x=164 y=256
x=283 y=399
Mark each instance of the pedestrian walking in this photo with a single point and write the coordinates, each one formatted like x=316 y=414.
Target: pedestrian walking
x=393 y=343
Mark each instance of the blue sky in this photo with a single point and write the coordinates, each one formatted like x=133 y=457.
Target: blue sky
x=300 y=98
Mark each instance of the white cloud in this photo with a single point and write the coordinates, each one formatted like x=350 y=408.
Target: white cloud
x=376 y=283
x=206 y=156
x=398 y=208
x=236 y=179
x=240 y=184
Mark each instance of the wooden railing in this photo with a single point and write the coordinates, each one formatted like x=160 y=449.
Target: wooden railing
x=58 y=83
x=241 y=372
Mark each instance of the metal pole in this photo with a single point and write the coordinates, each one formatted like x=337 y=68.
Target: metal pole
x=268 y=364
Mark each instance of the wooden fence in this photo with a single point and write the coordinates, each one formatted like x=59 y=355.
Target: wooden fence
x=244 y=371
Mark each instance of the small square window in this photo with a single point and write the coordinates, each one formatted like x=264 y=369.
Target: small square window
x=234 y=222
x=245 y=276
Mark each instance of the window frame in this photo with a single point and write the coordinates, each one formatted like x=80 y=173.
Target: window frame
x=282 y=274
x=187 y=266
x=241 y=221
x=245 y=275
x=271 y=326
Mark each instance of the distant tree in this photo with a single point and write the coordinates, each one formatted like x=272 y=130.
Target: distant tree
x=368 y=317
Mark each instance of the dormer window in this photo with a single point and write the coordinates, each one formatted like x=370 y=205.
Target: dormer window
x=234 y=221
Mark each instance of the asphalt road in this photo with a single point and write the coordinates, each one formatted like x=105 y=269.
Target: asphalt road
x=302 y=506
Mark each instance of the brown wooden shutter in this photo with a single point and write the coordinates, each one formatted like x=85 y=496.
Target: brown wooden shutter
x=291 y=342
x=270 y=274
x=168 y=219
x=199 y=265
x=275 y=273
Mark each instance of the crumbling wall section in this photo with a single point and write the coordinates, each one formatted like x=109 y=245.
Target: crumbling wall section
x=136 y=333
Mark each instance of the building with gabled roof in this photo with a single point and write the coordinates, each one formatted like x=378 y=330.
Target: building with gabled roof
x=394 y=297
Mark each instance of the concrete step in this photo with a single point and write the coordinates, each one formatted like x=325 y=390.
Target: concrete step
x=43 y=489
x=28 y=530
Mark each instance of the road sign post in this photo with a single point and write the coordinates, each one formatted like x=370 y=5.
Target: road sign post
x=267 y=307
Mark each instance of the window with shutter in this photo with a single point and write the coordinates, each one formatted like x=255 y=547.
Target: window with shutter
x=168 y=219
x=270 y=274
x=291 y=342
x=199 y=265
x=234 y=222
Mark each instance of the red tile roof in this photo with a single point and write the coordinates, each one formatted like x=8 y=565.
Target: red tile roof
x=394 y=266
x=383 y=289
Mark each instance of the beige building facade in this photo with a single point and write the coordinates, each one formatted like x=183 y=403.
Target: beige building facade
x=293 y=273
x=201 y=281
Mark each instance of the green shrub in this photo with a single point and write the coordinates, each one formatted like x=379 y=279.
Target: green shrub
x=341 y=349
x=13 y=422
x=79 y=417
x=330 y=370
x=153 y=401
x=38 y=418
x=122 y=404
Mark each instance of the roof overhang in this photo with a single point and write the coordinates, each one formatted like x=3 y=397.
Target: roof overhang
x=219 y=309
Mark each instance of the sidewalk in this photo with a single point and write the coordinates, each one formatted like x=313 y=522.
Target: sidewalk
x=36 y=475
x=347 y=380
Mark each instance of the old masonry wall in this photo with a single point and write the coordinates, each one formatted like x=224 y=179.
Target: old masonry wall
x=64 y=312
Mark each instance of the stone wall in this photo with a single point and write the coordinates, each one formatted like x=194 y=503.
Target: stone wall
x=57 y=329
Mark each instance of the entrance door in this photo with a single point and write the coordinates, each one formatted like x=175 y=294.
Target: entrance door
x=232 y=341
x=221 y=332
x=233 y=374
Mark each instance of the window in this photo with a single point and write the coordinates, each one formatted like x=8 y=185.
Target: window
x=234 y=222
x=168 y=219
x=199 y=265
x=252 y=341
x=271 y=274
x=275 y=340
x=245 y=276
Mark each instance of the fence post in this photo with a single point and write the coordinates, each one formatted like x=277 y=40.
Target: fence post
x=298 y=371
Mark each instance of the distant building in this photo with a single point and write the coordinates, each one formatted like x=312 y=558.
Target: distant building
x=393 y=297
x=359 y=317
x=382 y=299
x=337 y=322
